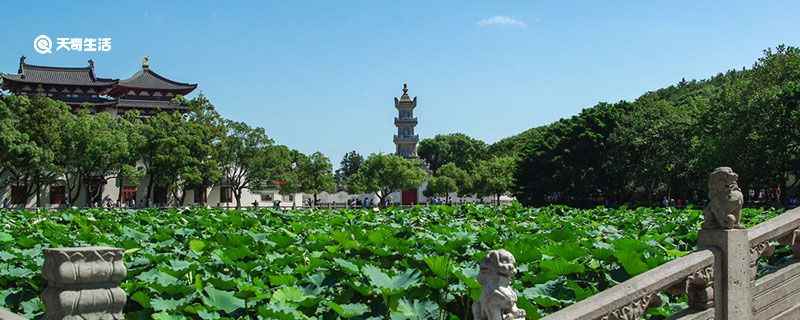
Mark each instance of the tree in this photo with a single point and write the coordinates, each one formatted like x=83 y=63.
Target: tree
x=163 y=153
x=95 y=148
x=30 y=139
x=317 y=175
x=382 y=174
x=495 y=176
x=181 y=150
x=654 y=147
x=291 y=180
x=573 y=157
x=456 y=148
x=206 y=130
x=250 y=159
x=347 y=168
x=440 y=186
x=513 y=146
x=131 y=173
x=449 y=179
x=11 y=139
x=462 y=179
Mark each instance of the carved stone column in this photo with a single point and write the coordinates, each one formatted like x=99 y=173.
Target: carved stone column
x=83 y=283
x=733 y=289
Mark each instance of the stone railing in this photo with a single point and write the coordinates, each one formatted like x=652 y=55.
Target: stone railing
x=719 y=278
x=82 y=283
x=631 y=299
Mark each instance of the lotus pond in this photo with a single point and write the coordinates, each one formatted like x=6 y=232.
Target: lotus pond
x=418 y=263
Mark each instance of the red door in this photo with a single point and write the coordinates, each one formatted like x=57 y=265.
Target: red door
x=128 y=194
x=409 y=197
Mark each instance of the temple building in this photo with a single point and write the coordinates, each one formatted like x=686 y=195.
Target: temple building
x=145 y=91
x=74 y=86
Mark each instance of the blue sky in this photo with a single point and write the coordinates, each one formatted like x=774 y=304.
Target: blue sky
x=321 y=75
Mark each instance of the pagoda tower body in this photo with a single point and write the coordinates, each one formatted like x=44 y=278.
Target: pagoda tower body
x=405 y=139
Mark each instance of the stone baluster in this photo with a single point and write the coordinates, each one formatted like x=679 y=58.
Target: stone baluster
x=83 y=283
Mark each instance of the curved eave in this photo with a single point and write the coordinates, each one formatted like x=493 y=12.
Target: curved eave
x=93 y=104
x=121 y=89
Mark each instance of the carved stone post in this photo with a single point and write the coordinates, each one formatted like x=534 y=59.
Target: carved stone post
x=83 y=283
x=722 y=231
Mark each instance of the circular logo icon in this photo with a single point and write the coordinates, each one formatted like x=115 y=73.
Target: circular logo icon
x=42 y=44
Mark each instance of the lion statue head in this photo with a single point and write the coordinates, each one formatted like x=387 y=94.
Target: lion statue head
x=497 y=299
x=725 y=200
x=496 y=265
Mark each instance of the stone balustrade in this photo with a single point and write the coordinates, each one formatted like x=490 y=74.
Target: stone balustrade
x=720 y=278
x=631 y=299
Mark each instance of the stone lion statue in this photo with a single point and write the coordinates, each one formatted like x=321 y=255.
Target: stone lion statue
x=725 y=200
x=498 y=300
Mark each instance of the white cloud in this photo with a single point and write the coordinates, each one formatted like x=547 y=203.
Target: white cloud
x=502 y=20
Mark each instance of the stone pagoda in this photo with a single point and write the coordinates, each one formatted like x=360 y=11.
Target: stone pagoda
x=405 y=139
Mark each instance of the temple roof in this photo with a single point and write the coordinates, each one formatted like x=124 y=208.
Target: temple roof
x=74 y=76
x=149 y=79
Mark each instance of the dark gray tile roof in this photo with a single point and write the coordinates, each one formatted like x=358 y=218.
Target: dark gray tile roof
x=83 y=76
x=148 y=79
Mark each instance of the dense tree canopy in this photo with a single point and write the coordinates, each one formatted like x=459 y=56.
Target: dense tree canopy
x=494 y=177
x=455 y=148
x=448 y=179
x=42 y=142
x=29 y=141
x=664 y=143
x=95 y=147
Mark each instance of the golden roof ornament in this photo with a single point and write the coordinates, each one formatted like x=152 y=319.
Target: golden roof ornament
x=146 y=62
